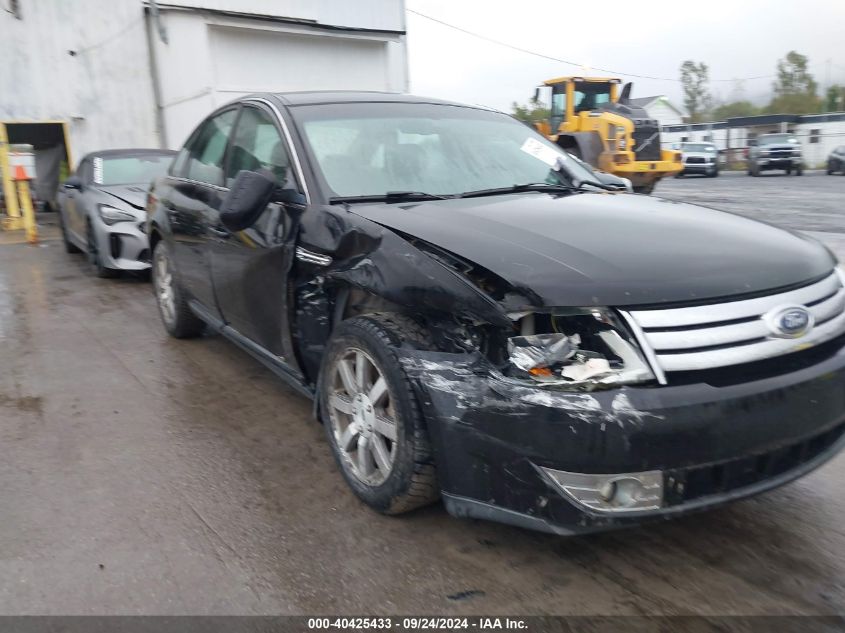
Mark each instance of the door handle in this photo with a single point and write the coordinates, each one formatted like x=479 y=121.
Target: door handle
x=219 y=232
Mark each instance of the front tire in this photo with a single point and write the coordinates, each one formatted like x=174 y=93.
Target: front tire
x=176 y=315
x=799 y=171
x=371 y=416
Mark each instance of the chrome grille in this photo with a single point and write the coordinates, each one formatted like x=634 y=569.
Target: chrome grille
x=723 y=334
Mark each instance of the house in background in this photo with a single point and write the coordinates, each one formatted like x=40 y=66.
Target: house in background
x=659 y=107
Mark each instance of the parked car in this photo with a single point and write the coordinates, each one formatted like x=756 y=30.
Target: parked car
x=101 y=207
x=478 y=320
x=699 y=158
x=775 y=151
x=836 y=161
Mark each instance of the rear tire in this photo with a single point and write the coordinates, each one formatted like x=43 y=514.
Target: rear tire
x=176 y=315
x=371 y=415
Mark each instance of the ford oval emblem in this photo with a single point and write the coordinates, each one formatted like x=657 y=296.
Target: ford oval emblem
x=789 y=321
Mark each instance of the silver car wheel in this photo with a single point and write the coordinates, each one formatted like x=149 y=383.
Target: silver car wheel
x=164 y=288
x=362 y=416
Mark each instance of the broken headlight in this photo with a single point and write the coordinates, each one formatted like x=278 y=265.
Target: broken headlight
x=585 y=348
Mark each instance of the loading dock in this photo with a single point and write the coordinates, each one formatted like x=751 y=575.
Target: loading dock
x=51 y=145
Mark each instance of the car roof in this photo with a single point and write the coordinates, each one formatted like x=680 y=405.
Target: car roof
x=130 y=151
x=314 y=97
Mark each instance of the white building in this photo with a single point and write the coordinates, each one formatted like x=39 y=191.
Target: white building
x=135 y=73
x=660 y=108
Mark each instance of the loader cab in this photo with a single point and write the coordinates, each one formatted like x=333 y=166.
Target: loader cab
x=573 y=95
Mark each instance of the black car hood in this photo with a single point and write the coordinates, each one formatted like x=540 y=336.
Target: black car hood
x=133 y=195
x=610 y=249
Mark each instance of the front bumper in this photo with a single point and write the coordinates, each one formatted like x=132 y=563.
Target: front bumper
x=642 y=172
x=764 y=162
x=123 y=246
x=699 y=168
x=492 y=438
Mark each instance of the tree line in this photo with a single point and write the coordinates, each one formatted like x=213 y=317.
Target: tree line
x=794 y=91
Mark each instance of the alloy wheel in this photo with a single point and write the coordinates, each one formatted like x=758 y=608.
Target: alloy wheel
x=164 y=288
x=362 y=416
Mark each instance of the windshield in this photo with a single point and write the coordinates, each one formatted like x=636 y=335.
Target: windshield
x=130 y=170
x=370 y=149
x=771 y=139
x=698 y=147
x=591 y=94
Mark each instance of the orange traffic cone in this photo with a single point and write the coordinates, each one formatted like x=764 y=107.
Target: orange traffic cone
x=20 y=173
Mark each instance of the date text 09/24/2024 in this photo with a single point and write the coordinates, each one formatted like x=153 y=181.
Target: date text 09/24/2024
x=418 y=623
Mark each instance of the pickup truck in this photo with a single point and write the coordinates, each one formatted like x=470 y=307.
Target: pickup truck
x=775 y=151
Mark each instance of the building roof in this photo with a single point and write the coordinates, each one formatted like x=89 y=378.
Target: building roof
x=751 y=121
x=645 y=102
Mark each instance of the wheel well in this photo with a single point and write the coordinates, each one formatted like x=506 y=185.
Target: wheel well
x=155 y=238
x=360 y=302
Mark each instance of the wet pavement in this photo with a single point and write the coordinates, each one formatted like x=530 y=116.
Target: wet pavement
x=140 y=474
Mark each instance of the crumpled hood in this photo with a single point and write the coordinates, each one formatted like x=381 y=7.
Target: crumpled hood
x=133 y=195
x=610 y=249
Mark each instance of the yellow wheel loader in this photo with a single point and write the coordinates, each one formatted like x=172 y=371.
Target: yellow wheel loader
x=592 y=120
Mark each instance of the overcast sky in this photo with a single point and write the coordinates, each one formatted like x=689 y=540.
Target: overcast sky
x=736 y=38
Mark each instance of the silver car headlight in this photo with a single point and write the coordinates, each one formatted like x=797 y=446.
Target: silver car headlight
x=110 y=215
x=582 y=348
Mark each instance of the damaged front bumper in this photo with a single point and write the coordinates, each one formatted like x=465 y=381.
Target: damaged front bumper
x=500 y=444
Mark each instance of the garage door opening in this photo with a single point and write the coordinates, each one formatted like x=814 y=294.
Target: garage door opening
x=48 y=142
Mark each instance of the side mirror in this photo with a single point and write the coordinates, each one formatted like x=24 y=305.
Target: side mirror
x=250 y=194
x=73 y=182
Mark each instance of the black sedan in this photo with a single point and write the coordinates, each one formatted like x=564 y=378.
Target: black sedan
x=836 y=161
x=479 y=319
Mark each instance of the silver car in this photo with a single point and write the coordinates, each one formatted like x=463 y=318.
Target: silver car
x=101 y=207
x=699 y=158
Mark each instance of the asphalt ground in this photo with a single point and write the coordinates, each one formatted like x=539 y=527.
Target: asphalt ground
x=144 y=475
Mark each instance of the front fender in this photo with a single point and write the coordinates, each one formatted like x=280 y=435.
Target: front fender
x=371 y=257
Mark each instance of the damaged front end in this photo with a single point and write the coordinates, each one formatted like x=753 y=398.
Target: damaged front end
x=558 y=418
x=578 y=349
x=571 y=458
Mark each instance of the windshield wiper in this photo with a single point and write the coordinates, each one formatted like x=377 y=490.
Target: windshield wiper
x=390 y=196
x=529 y=186
x=600 y=185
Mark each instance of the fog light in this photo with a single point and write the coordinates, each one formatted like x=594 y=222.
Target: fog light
x=618 y=492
